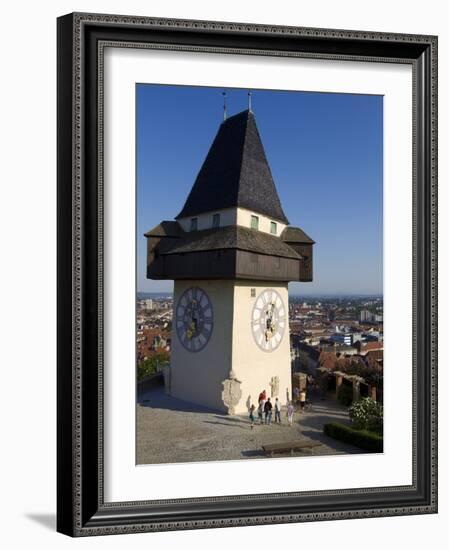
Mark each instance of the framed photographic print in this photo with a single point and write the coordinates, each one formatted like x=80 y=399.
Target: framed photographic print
x=247 y=287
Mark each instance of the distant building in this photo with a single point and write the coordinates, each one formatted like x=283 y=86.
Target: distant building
x=151 y=341
x=366 y=316
x=374 y=355
x=372 y=336
x=344 y=338
x=340 y=349
x=365 y=347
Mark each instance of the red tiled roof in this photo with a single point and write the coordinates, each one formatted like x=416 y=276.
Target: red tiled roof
x=368 y=346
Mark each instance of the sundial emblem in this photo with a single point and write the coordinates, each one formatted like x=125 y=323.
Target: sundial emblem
x=194 y=319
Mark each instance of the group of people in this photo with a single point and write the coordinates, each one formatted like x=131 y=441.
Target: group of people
x=265 y=410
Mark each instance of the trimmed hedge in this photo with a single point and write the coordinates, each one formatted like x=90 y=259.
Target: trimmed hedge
x=369 y=441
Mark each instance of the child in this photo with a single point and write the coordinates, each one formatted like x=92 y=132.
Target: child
x=251 y=415
x=290 y=410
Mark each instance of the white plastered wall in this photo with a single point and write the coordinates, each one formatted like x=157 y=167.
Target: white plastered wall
x=228 y=216
x=244 y=219
x=197 y=376
x=232 y=216
x=252 y=366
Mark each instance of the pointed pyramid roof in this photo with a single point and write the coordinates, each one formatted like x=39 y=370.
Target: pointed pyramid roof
x=235 y=173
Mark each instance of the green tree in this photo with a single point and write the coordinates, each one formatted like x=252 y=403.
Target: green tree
x=152 y=364
x=303 y=360
x=345 y=395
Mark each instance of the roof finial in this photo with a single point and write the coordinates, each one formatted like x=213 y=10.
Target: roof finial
x=249 y=101
x=225 y=114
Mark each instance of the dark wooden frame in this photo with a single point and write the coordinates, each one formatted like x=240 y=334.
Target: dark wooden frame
x=81 y=510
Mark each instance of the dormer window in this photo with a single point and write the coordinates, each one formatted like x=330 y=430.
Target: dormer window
x=216 y=220
x=273 y=228
x=194 y=224
x=254 y=222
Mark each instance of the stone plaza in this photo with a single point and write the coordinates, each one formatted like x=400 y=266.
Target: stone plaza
x=170 y=430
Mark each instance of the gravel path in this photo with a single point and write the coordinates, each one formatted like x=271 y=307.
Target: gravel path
x=170 y=430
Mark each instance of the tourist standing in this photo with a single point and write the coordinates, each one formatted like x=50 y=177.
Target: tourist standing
x=260 y=410
x=290 y=410
x=268 y=411
x=251 y=415
x=277 y=410
x=302 y=399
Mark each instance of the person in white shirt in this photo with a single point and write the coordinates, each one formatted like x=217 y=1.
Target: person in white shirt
x=277 y=410
x=302 y=400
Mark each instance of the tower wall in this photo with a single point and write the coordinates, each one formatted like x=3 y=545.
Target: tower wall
x=254 y=367
x=197 y=376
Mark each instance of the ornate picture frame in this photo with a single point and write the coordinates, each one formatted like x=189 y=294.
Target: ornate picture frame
x=81 y=507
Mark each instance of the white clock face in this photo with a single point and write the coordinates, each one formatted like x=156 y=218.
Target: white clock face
x=194 y=319
x=268 y=320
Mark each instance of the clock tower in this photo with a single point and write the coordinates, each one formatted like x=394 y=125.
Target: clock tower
x=231 y=253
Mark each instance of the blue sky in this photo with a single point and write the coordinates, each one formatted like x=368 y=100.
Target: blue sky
x=325 y=152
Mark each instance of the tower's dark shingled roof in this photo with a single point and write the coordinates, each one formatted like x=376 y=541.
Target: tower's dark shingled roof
x=165 y=229
x=295 y=235
x=235 y=173
x=230 y=236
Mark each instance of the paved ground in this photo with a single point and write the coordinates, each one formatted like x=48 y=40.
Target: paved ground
x=171 y=430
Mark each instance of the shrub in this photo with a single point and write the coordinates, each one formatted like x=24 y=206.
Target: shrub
x=367 y=414
x=345 y=395
x=152 y=365
x=363 y=439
